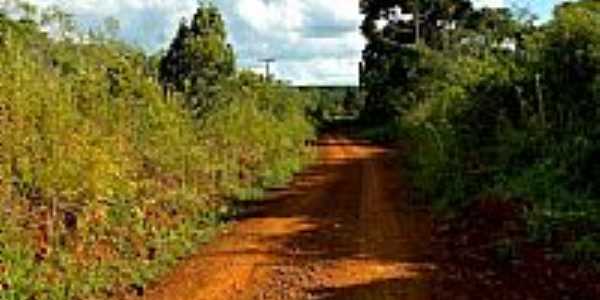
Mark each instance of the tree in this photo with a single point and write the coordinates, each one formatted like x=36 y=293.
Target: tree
x=198 y=59
x=390 y=57
x=569 y=64
x=174 y=66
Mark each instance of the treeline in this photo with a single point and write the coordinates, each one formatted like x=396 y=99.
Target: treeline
x=113 y=163
x=330 y=106
x=495 y=107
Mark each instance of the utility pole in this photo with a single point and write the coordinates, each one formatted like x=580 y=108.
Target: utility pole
x=417 y=21
x=267 y=62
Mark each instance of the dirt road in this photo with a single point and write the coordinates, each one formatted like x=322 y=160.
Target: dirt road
x=343 y=230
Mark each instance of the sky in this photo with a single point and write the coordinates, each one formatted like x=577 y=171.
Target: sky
x=315 y=42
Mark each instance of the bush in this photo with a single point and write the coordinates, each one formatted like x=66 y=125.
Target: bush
x=104 y=181
x=520 y=125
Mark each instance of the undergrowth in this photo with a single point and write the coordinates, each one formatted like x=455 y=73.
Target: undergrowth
x=106 y=181
x=519 y=125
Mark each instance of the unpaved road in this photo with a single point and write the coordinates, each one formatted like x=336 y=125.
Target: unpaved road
x=343 y=230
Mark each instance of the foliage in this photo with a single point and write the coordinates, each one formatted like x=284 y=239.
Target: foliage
x=389 y=56
x=506 y=108
x=198 y=58
x=329 y=105
x=105 y=181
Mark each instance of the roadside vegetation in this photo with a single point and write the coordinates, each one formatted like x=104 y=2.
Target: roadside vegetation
x=115 y=164
x=499 y=111
x=333 y=106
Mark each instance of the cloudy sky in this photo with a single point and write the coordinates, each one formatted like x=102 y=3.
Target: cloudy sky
x=314 y=41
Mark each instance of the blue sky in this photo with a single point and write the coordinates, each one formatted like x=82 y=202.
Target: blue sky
x=314 y=41
x=542 y=8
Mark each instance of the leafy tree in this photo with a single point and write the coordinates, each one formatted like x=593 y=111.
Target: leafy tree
x=569 y=63
x=389 y=56
x=199 y=58
x=496 y=105
x=92 y=153
x=174 y=67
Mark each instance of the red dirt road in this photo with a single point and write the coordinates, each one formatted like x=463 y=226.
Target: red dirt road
x=343 y=230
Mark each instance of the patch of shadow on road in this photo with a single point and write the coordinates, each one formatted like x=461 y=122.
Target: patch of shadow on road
x=397 y=288
x=335 y=241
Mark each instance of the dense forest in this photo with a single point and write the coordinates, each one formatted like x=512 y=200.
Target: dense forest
x=497 y=107
x=113 y=163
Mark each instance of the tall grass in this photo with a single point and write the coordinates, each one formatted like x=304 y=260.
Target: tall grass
x=104 y=181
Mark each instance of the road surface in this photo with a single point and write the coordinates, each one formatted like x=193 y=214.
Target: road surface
x=344 y=229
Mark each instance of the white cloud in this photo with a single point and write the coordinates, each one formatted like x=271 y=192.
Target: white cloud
x=266 y=16
x=314 y=41
x=489 y=3
x=338 y=71
x=304 y=37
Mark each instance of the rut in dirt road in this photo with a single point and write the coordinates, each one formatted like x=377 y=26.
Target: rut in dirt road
x=343 y=230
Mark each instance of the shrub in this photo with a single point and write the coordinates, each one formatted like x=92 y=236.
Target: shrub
x=104 y=181
x=521 y=125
